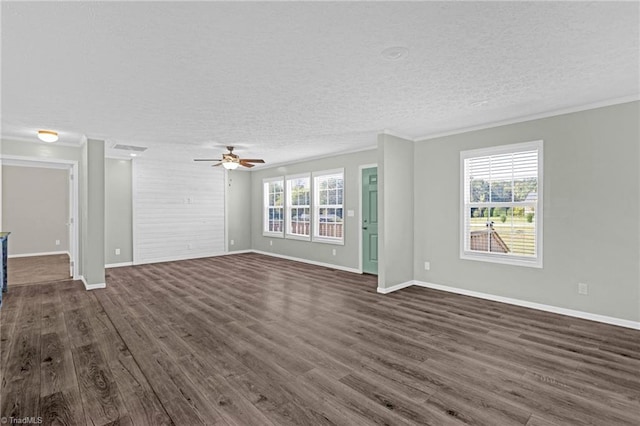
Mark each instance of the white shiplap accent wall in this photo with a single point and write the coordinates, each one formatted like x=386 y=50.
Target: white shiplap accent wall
x=178 y=211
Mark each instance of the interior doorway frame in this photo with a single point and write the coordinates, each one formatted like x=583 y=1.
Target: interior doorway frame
x=360 y=248
x=74 y=214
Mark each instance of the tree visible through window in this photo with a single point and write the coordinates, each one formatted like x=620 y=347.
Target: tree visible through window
x=501 y=213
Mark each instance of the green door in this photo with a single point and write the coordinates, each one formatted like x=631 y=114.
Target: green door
x=370 y=220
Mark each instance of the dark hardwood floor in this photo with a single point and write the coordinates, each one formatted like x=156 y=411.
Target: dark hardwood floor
x=253 y=340
x=37 y=269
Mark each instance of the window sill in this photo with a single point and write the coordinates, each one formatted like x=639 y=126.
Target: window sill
x=513 y=261
x=273 y=234
x=338 y=242
x=297 y=237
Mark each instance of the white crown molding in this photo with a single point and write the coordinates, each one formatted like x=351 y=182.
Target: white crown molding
x=522 y=119
x=38 y=142
x=398 y=135
x=318 y=157
x=38 y=162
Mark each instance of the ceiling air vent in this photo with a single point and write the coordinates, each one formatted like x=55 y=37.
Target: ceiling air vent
x=130 y=148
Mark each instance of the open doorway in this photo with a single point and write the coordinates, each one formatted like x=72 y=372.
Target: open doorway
x=39 y=207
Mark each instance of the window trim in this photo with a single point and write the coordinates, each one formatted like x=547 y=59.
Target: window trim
x=532 y=262
x=287 y=215
x=315 y=208
x=265 y=207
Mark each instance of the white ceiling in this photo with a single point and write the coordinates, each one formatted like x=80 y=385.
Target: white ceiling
x=286 y=81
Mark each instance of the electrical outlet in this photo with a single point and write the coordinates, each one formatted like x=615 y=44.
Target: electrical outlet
x=427 y=266
x=57 y=242
x=118 y=252
x=189 y=246
x=334 y=252
x=583 y=288
x=232 y=242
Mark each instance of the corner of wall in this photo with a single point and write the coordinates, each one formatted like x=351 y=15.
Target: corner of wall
x=395 y=210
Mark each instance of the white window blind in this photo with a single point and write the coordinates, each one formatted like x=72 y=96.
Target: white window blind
x=501 y=204
x=299 y=207
x=273 y=222
x=328 y=188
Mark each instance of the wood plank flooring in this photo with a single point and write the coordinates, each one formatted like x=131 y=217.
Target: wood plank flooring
x=37 y=269
x=253 y=340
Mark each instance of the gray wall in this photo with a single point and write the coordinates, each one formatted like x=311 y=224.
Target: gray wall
x=346 y=255
x=90 y=158
x=35 y=209
x=92 y=212
x=239 y=206
x=53 y=152
x=395 y=210
x=118 y=211
x=591 y=213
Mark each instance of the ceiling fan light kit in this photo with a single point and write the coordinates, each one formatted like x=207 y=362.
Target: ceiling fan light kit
x=230 y=164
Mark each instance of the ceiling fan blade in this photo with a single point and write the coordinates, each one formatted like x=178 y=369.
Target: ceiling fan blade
x=252 y=160
x=242 y=163
x=207 y=159
x=216 y=165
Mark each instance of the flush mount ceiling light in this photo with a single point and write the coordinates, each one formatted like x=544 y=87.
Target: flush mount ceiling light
x=395 y=53
x=47 y=135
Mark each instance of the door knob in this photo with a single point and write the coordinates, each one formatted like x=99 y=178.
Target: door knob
x=364 y=227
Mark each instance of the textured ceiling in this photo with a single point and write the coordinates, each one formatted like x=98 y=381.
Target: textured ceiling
x=286 y=81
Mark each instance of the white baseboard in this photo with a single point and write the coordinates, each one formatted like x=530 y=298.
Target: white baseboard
x=118 y=265
x=311 y=262
x=91 y=286
x=517 y=302
x=395 y=287
x=238 y=252
x=176 y=258
x=45 y=253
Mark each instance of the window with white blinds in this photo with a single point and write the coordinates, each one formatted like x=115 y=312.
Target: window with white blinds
x=273 y=207
x=501 y=206
x=299 y=207
x=328 y=196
